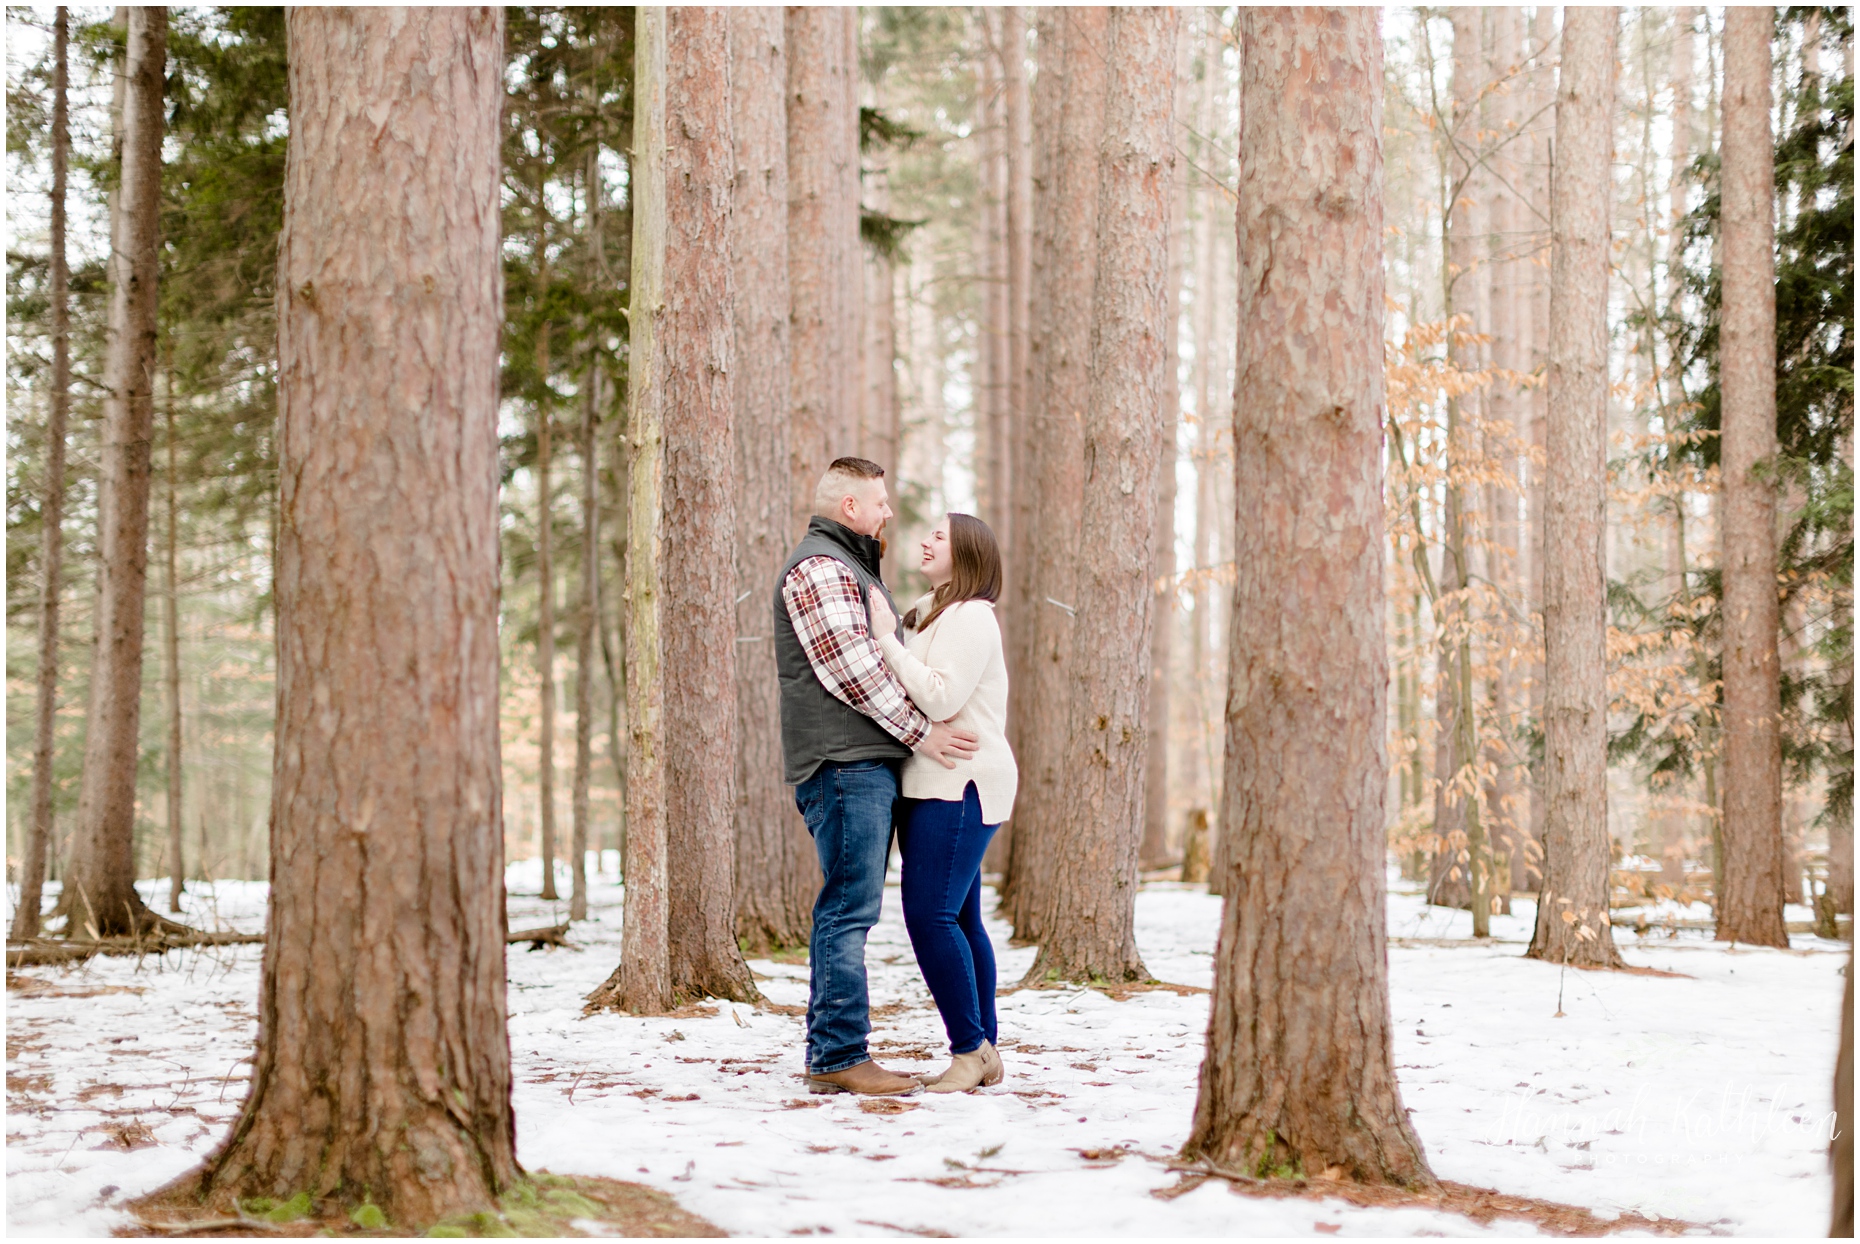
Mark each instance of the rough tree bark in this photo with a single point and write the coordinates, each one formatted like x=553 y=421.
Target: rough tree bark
x=545 y=581
x=777 y=870
x=1062 y=355
x=171 y=652
x=989 y=243
x=1750 y=890
x=1154 y=850
x=1031 y=519
x=1090 y=923
x=52 y=509
x=697 y=513
x=1572 y=905
x=383 y=1065
x=99 y=882
x=1298 y=1077
x=1019 y=149
x=1017 y=131
x=1462 y=868
x=1505 y=412
x=642 y=984
x=1541 y=93
x=823 y=244
x=587 y=611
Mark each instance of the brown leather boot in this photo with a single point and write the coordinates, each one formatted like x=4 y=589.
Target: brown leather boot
x=867 y=1079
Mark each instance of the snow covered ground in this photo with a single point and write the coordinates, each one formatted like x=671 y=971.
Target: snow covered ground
x=1703 y=1095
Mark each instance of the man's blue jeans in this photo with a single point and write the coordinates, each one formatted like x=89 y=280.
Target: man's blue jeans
x=848 y=810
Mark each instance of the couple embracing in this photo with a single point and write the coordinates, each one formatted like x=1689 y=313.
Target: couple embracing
x=894 y=722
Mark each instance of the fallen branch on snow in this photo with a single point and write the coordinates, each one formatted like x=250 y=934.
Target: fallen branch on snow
x=554 y=935
x=44 y=951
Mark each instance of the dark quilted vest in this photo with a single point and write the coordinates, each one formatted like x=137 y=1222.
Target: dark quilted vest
x=816 y=727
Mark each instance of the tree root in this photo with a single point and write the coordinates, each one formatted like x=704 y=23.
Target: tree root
x=1481 y=1205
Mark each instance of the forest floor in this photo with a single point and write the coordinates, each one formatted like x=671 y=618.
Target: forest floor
x=1702 y=1094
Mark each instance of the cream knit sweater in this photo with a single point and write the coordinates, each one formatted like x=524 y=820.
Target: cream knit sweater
x=955 y=672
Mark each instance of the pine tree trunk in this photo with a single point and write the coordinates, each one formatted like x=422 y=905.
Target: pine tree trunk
x=1221 y=863
x=383 y=1066
x=1298 y=1078
x=1090 y=923
x=1750 y=897
x=777 y=872
x=1019 y=206
x=1017 y=608
x=823 y=242
x=1463 y=860
x=99 y=881
x=1542 y=100
x=697 y=514
x=1572 y=906
x=1198 y=779
x=1154 y=850
x=545 y=594
x=1031 y=520
x=171 y=659
x=52 y=511
x=642 y=983
x=1504 y=224
x=1062 y=355
x=587 y=613
x=994 y=483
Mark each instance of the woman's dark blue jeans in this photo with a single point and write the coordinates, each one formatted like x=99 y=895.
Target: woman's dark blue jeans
x=943 y=841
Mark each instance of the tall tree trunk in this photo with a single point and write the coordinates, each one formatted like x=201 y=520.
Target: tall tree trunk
x=1017 y=613
x=1155 y=848
x=383 y=1065
x=993 y=486
x=1030 y=519
x=99 y=882
x=52 y=510
x=777 y=872
x=1198 y=779
x=1463 y=859
x=545 y=587
x=642 y=982
x=1541 y=92
x=823 y=243
x=1750 y=898
x=1572 y=907
x=1062 y=352
x=587 y=613
x=1018 y=143
x=1511 y=312
x=1090 y=925
x=171 y=655
x=1221 y=863
x=1298 y=1077
x=697 y=515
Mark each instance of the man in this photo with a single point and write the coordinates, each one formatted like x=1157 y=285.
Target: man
x=846 y=722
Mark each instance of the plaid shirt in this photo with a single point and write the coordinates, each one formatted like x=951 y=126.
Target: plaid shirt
x=829 y=615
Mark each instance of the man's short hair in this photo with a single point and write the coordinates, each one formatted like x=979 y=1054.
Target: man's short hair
x=843 y=475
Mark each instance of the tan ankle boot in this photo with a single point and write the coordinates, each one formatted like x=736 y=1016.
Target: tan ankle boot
x=966 y=1073
x=992 y=1059
x=867 y=1079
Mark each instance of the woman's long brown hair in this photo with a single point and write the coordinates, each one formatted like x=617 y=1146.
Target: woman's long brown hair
x=975 y=569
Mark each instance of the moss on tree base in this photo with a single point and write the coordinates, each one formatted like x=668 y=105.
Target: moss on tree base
x=541 y=1205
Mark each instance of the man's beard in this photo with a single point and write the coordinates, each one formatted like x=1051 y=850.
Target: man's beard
x=879 y=536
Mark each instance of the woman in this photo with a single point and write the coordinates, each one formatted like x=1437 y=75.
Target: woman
x=954 y=670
